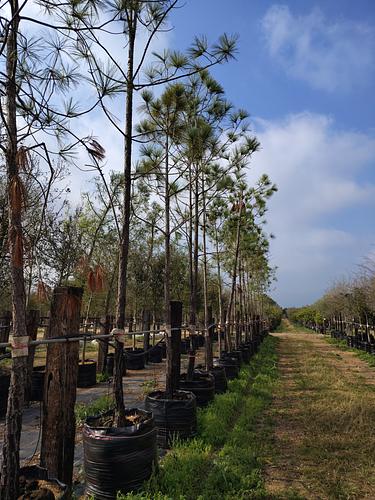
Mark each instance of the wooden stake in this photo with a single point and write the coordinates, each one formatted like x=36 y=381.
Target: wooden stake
x=58 y=430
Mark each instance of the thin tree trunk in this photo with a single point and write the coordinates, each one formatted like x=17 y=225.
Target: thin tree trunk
x=207 y=331
x=124 y=242
x=170 y=386
x=190 y=248
x=234 y=274
x=13 y=421
x=220 y=292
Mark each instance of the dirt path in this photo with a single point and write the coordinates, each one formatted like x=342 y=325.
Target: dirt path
x=324 y=422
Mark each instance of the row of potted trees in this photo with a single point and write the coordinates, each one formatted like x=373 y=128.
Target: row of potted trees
x=122 y=457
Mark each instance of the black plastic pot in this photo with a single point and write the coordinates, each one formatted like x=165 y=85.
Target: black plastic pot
x=194 y=342
x=30 y=475
x=86 y=373
x=363 y=346
x=37 y=383
x=155 y=355
x=109 y=364
x=174 y=418
x=236 y=355
x=202 y=386
x=4 y=391
x=118 y=459
x=220 y=379
x=185 y=346
x=163 y=347
x=230 y=365
x=135 y=359
x=246 y=353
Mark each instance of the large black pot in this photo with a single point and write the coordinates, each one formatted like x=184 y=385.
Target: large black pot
x=37 y=383
x=236 y=354
x=109 y=364
x=246 y=353
x=202 y=386
x=163 y=347
x=155 y=355
x=135 y=359
x=29 y=476
x=86 y=373
x=194 y=342
x=174 y=418
x=118 y=459
x=4 y=391
x=230 y=365
x=185 y=346
x=220 y=379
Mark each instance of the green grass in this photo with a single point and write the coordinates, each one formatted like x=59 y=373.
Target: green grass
x=226 y=459
x=365 y=356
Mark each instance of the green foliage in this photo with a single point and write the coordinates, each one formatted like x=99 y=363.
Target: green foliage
x=100 y=405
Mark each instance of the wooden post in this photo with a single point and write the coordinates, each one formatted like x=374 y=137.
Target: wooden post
x=105 y=325
x=146 y=325
x=32 y=323
x=58 y=430
x=174 y=350
x=5 y=324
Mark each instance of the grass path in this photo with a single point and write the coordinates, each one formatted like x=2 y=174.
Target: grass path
x=323 y=415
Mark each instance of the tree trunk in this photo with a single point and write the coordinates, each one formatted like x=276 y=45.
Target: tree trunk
x=234 y=274
x=207 y=332
x=124 y=242
x=58 y=430
x=174 y=349
x=13 y=421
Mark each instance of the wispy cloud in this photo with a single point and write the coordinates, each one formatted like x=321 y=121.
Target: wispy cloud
x=321 y=173
x=327 y=54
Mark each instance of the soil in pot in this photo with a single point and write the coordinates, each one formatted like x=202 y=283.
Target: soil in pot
x=202 y=386
x=135 y=359
x=35 y=485
x=118 y=458
x=86 y=373
x=174 y=418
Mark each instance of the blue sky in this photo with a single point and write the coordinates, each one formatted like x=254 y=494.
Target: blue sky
x=305 y=72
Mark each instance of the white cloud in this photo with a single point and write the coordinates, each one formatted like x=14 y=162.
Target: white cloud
x=329 y=55
x=317 y=169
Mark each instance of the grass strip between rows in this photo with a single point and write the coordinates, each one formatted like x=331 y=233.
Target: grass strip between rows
x=225 y=459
